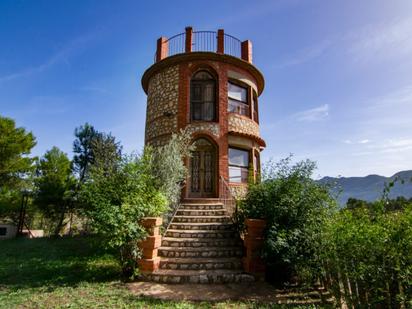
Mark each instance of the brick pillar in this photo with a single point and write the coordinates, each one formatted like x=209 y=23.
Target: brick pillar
x=162 y=48
x=254 y=238
x=220 y=41
x=150 y=261
x=189 y=39
x=247 y=51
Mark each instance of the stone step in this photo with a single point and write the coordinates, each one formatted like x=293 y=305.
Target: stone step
x=216 y=206
x=204 y=242
x=200 y=212
x=200 y=233
x=203 y=219
x=190 y=226
x=201 y=201
x=199 y=276
x=201 y=252
x=200 y=263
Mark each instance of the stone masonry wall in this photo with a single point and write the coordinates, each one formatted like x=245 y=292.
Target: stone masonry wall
x=162 y=106
x=241 y=124
x=211 y=128
x=238 y=191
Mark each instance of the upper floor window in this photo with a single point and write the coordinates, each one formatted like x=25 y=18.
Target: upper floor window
x=203 y=96
x=238 y=165
x=238 y=99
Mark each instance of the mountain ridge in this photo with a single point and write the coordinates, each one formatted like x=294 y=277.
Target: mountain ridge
x=370 y=187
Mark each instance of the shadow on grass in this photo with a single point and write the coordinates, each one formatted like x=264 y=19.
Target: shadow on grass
x=26 y=263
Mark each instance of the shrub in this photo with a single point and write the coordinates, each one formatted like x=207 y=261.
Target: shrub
x=169 y=170
x=119 y=200
x=367 y=255
x=132 y=188
x=296 y=209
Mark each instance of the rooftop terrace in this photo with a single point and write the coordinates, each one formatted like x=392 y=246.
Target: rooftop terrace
x=203 y=41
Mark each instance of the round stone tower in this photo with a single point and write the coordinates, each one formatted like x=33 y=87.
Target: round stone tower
x=205 y=82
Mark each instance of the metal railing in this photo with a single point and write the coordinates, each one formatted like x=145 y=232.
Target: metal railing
x=238 y=108
x=227 y=199
x=203 y=41
x=233 y=46
x=176 y=44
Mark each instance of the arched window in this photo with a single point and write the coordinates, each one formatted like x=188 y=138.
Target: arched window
x=203 y=96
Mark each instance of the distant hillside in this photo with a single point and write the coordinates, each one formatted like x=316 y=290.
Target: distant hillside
x=370 y=188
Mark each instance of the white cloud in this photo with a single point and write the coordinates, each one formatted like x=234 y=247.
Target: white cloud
x=305 y=55
x=382 y=40
x=313 y=114
x=351 y=142
x=61 y=55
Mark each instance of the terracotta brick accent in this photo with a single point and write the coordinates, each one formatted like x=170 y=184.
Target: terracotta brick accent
x=247 y=51
x=253 y=242
x=149 y=246
x=220 y=41
x=149 y=265
x=188 y=39
x=162 y=48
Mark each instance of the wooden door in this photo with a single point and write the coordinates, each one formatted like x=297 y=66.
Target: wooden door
x=203 y=170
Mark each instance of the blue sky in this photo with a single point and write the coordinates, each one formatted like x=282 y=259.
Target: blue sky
x=338 y=73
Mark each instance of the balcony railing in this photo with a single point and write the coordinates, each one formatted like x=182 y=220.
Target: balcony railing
x=238 y=108
x=203 y=41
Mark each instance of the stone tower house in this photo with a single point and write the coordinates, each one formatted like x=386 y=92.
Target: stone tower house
x=205 y=81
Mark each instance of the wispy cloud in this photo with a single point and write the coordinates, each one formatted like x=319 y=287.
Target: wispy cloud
x=351 y=142
x=304 y=55
x=382 y=40
x=62 y=55
x=239 y=14
x=99 y=90
x=313 y=114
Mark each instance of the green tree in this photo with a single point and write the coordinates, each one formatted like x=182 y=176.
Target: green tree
x=82 y=147
x=16 y=167
x=55 y=185
x=15 y=147
x=106 y=151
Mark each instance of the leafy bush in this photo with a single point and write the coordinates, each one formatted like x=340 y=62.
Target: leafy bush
x=119 y=201
x=296 y=209
x=367 y=255
x=121 y=194
x=169 y=170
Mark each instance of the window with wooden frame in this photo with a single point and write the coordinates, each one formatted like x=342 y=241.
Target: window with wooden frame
x=255 y=108
x=256 y=165
x=238 y=101
x=203 y=96
x=238 y=165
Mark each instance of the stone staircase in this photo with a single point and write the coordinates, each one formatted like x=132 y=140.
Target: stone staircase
x=200 y=246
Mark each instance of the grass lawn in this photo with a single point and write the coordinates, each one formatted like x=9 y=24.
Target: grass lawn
x=73 y=273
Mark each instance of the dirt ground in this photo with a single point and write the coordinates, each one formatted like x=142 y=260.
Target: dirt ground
x=258 y=291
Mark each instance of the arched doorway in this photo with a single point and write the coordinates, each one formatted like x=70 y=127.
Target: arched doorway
x=202 y=169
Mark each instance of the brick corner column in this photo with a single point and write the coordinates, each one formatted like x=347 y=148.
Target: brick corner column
x=150 y=261
x=247 y=51
x=162 y=48
x=253 y=242
x=188 y=39
x=220 y=41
